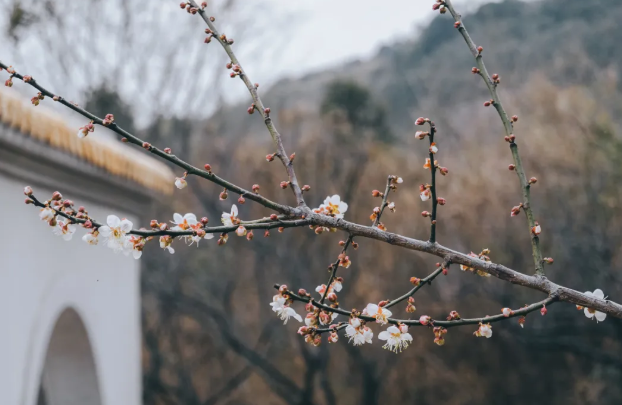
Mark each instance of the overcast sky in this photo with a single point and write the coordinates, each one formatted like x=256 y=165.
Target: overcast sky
x=329 y=32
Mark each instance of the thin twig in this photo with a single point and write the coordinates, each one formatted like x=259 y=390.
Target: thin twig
x=334 y=267
x=252 y=89
x=509 y=129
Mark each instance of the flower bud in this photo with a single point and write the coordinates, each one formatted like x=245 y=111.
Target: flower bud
x=543 y=311
x=443 y=170
x=533 y=180
x=57 y=196
x=266 y=111
x=241 y=200
x=306 y=187
x=167 y=150
x=415 y=281
x=201 y=233
x=332 y=297
x=424 y=320
x=420 y=121
x=548 y=260
x=208 y=167
x=511 y=167
x=28 y=191
x=250 y=235
x=284 y=184
x=146 y=145
x=480 y=49
x=204 y=220
x=514 y=118
x=487 y=103
x=475 y=70
x=441 y=201
x=457 y=24
x=273 y=217
x=28 y=201
x=266 y=233
x=223 y=196
x=281 y=229
x=425 y=214
x=163 y=226
x=302 y=292
x=255 y=188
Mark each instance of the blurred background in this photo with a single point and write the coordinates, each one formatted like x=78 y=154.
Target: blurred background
x=344 y=82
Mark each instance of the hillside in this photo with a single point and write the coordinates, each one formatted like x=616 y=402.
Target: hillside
x=569 y=41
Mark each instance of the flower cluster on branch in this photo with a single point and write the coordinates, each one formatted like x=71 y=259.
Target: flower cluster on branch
x=324 y=312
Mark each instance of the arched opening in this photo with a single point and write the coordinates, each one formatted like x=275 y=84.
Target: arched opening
x=69 y=376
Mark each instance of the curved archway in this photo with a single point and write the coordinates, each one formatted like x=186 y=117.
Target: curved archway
x=69 y=375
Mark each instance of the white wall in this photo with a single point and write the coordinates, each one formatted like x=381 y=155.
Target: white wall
x=40 y=276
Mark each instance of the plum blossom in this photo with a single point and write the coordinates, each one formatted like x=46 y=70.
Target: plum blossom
x=592 y=313
x=91 y=238
x=381 y=314
x=357 y=333
x=506 y=312
x=166 y=242
x=47 y=214
x=424 y=192
x=65 y=229
x=284 y=311
x=180 y=183
x=134 y=244
x=485 y=330
x=332 y=206
x=229 y=219
x=115 y=232
x=184 y=223
x=397 y=338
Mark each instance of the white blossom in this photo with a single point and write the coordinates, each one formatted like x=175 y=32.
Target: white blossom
x=90 y=238
x=135 y=245
x=115 y=232
x=180 y=183
x=592 y=313
x=228 y=219
x=47 y=214
x=165 y=243
x=184 y=223
x=332 y=206
x=64 y=229
x=485 y=330
x=381 y=314
x=397 y=338
x=284 y=311
x=357 y=333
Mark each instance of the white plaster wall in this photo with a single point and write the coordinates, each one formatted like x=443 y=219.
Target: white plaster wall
x=40 y=276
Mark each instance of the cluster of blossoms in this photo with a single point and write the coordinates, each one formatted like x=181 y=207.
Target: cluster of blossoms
x=483 y=255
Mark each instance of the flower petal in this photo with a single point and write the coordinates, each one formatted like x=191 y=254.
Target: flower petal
x=600 y=316
x=113 y=221
x=209 y=236
x=126 y=225
x=598 y=293
x=138 y=254
x=105 y=231
x=587 y=313
x=384 y=335
x=234 y=210
x=177 y=218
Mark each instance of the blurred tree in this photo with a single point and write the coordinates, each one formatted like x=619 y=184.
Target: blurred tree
x=361 y=110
